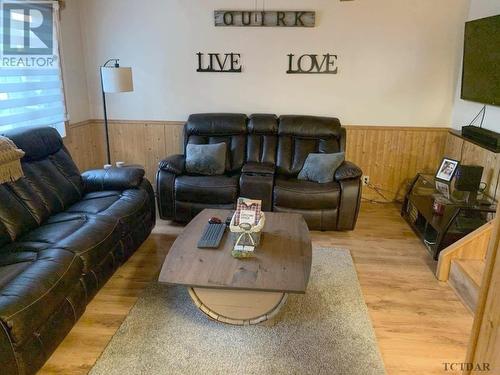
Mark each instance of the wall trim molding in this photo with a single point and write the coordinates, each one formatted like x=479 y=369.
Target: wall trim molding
x=78 y=124
x=397 y=127
x=347 y=126
x=139 y=122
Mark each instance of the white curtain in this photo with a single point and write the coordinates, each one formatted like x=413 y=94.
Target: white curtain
x=31 y=96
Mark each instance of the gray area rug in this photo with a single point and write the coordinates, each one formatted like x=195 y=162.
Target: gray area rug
x=325 y=331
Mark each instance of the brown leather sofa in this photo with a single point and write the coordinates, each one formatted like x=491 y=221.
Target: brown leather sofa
x=265 y=156
x=62 y=235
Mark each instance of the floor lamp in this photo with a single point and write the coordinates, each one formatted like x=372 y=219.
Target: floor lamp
x=114 y=79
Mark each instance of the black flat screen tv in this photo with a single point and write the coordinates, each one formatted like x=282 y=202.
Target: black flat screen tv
x=481 y=63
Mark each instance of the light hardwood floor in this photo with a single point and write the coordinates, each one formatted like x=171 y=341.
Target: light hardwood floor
x=419 y=322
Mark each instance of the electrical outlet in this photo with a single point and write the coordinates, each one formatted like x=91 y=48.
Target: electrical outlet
x=366 y=180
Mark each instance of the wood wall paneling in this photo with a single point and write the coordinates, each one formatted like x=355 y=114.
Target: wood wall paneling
x=85 y=142
x=144 y=143
x=471 y=154
x=134 y=142
x=392 y=156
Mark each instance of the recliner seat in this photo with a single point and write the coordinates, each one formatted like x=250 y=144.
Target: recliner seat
x=266 y=158
x=62 y=235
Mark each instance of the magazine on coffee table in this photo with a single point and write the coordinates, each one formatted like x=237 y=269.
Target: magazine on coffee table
x=248 y=211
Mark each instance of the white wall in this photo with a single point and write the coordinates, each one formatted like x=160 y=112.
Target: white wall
x=398 y=59
x=74 y=72
x=464 y=111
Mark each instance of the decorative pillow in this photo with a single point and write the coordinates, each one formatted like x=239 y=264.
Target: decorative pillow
x=208 y=160
x=321 y=167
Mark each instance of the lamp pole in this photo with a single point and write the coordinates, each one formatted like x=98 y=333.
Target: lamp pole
x=106 y=129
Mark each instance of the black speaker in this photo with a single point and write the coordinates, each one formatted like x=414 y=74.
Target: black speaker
x=468 y=177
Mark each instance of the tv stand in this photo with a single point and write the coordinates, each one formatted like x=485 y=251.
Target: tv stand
x=464 y=212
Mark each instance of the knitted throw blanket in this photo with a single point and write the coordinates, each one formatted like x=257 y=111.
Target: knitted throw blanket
x=10 y=161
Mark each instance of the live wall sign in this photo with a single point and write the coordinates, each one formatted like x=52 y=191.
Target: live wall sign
x=219 y=62
x=265 y=18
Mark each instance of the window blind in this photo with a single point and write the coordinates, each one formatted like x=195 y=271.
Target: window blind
x=31 y=86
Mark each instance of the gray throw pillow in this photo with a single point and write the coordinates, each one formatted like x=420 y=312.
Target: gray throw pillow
x=321 y=167
x=208 y=160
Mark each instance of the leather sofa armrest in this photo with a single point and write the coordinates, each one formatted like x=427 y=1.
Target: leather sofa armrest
x=348 y=171
x=259 y=168
x=173 y=164
x=112 y=179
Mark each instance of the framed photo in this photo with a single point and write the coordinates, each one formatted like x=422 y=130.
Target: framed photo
x=447 y=169
x=443 y=188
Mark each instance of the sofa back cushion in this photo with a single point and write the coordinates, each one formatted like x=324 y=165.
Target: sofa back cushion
x=15 y=218
x=51 y=182
x=262 y=138
x=299 y=136
x=213 y=128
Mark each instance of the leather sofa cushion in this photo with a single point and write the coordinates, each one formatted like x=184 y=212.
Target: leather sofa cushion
x=112 y=179
x=12 y=264
x=259 y=123
x=306 y=194
x=37 y=143
x=262 y=138
x=216 y=124
x=123 y=207
x=213 y=128
x=207 y=189
x=46 y=189
x=300 y=136
x=36 y=285
x=51 y=184
x=15 y=218
x=310 y=126
x=56 y=189
x=174 y=164
x=259 y=168
x=90 y=237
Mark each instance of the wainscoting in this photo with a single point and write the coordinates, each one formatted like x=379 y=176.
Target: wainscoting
x=135 y=142
x=469 y=153
x=85 y=142
x=390 y=155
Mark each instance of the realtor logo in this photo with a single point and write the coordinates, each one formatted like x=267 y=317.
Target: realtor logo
x=28 y=28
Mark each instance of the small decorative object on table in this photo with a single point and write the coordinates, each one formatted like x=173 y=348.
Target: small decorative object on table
x=246 y=226
x=439 y=205
x=447 y=169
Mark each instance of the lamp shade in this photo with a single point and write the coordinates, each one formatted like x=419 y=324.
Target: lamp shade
x=116 y=79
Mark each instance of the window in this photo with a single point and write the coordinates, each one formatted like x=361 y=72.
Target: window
x=31 y=86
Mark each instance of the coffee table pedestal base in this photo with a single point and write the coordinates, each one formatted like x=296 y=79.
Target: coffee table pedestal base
x=238 y=307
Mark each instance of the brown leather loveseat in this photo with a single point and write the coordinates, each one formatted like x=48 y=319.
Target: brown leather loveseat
x=265 y=155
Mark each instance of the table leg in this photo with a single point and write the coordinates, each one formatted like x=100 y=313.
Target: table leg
x=238 y=307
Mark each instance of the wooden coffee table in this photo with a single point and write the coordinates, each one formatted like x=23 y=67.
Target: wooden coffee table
x=241 y=291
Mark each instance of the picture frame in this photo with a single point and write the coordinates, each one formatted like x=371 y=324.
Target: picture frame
x=447 y=169
x=443 y=188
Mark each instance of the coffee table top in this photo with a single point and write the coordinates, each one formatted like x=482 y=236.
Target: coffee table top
x=282 y=261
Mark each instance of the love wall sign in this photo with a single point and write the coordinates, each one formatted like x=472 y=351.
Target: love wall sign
x=312 y=64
